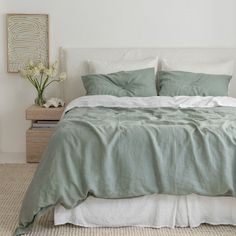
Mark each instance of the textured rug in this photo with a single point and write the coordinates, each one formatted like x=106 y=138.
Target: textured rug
x=14 y=179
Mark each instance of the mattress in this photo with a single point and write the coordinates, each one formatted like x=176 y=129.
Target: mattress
x=157 y=210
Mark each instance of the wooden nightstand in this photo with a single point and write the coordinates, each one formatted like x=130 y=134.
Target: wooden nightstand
x=37 y=138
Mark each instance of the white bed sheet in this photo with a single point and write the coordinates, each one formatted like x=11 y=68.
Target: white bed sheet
x=150 y=211
x=151 y=102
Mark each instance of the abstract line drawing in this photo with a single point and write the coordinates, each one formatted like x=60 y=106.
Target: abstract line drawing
x=27 y=39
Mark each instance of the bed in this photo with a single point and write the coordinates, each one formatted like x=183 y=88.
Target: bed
x=117 y=155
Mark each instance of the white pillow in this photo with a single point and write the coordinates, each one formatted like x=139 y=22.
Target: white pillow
x=221 y=68
x=106 y=67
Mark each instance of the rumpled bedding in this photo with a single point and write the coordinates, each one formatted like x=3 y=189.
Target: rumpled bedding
x=110 y=147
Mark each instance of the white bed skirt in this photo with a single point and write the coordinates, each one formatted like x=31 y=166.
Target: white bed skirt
x=150 y=211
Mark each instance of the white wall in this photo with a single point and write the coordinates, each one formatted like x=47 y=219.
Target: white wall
x=108 y=23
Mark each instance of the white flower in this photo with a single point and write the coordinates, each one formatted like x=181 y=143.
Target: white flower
x=62 y=76
x=54 y=68
x=37 y=74
x=31 y=63
x=30 y=73
x=55 y=65
x=41 y=66
x=36 y=71
x=48 y=72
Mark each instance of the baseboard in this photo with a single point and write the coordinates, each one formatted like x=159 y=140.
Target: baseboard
x=12 y=157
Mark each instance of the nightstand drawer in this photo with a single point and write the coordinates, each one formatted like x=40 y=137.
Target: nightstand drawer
x=43 y=121
x=36 y=142
x=39 y=113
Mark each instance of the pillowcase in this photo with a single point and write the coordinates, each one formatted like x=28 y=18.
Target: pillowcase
x=138 y=83
x=107 y=67
x=195 y=80
x=181 y=83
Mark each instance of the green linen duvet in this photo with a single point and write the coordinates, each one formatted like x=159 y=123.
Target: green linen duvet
x=130 y=152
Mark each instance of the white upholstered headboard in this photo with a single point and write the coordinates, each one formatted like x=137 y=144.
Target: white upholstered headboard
x=73 y=62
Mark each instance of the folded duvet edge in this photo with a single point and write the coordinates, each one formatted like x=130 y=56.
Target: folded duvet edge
x=24 y=229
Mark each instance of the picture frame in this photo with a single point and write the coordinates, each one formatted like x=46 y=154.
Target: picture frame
x=27 y=39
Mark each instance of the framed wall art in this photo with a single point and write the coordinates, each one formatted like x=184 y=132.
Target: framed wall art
x=27 y=39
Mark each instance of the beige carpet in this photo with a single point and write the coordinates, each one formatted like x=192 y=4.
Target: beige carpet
x=14 y=180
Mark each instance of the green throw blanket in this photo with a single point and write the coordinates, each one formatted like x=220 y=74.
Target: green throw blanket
x=123 y=153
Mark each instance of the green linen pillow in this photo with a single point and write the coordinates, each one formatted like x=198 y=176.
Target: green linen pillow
x=137 y=83
x=181 y=83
